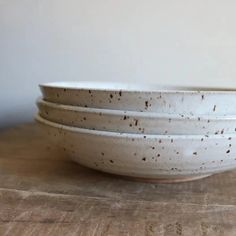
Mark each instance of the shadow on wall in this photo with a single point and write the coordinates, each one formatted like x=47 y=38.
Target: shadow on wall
x=10 y=118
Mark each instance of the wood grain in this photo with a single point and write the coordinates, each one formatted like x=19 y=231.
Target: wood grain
x=42 y=192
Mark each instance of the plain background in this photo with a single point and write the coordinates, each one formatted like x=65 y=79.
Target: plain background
x=184 y=42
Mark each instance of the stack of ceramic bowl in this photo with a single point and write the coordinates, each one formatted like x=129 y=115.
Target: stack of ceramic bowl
x=142 y=132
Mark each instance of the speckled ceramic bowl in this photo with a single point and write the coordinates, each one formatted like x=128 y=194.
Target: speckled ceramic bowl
x=141 y=98
x=161 y=158
x=135 y=122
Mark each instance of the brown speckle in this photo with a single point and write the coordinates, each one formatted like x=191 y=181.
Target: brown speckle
x=111 y=161
x=120 y=93
x=158 y=155
x=58 y=95
x=144 y=158
x=160 y=141
x=173 y=168
x=125 y=117
x=146 y=104
x=102 y=153
x=136 y=122
x=111 y=96
x=90 y=91
x=84 y=118
x=133 y=139
x=130 y=125
x=177 y=153
x=153 y=147
x=64 y=90
x=178 y=228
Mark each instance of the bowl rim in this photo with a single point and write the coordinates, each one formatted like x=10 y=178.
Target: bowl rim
x=112 y=134
x=105 y=86
x=133 y=114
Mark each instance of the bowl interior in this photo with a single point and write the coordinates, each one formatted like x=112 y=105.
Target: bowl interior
x=139 y=87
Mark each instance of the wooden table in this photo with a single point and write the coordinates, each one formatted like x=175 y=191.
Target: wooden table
x=44 y=193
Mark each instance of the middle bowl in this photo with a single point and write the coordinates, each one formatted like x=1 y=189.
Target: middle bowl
x=135 y=122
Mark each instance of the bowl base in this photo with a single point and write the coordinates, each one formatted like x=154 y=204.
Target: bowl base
x=161 y=180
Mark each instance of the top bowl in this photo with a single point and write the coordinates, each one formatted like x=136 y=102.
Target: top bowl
x=143 y=98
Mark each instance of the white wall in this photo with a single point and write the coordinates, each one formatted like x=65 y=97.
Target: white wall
x=185 y=42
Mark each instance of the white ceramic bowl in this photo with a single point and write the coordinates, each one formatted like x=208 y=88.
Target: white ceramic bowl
x=141 y=98
x=135 y=122
x=163 y=158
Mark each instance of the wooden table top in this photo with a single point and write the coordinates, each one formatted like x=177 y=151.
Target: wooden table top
x=42 y=192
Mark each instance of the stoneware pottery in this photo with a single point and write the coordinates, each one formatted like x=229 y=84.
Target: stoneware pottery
x=158 y=158
x=135 y=122
x=185 y=101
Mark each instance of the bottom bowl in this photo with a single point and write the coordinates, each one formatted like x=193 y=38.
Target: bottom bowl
x=153 y=158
